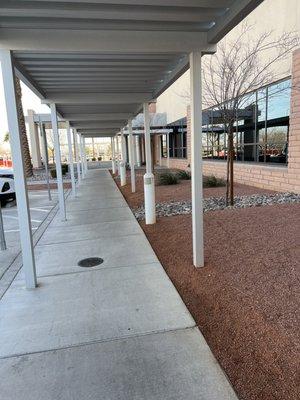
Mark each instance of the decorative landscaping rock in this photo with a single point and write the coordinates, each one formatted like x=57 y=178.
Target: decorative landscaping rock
x=218 y=203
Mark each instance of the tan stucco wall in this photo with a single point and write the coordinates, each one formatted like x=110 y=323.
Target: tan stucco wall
x=278 y=16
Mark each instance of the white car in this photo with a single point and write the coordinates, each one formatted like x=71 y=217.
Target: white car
x=7 y=185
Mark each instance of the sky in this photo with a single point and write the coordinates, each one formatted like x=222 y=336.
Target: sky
x=30 y=102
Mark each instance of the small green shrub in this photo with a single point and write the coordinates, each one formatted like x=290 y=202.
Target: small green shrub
x=167 y=179
x=64 y=168
x=213 y=181
x=99 y=158
x=53 y=173
x=94 y=159
x=183 y=175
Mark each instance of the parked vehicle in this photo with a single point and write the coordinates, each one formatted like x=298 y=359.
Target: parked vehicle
x=7 y=185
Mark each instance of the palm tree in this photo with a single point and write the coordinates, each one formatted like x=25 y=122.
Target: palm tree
x=23 y=134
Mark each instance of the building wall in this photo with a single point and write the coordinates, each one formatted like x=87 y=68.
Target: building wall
x=277 y=16
x=259 y=175
x=268 y=176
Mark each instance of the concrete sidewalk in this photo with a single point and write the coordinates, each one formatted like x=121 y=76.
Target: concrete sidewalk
x=113 y=332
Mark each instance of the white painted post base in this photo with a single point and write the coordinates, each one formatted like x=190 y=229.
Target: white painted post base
x=122 y=169
x=149 y=194
x=113 y=165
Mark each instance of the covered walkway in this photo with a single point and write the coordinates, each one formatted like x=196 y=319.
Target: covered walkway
x=116 y=331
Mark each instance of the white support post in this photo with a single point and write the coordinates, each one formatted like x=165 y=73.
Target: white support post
x=196 y=158
x=19 y=172
x=131 y=156
x=113 y=156
x=168 y=150
x=118 y=154
x=75 y=138
x=81 y=157
x=2 y=234
x=34 y=140
x=138 y=151
x=149 y=186
x=45 y=157
x=84 y=156
x=60 y=186
x=71 y=164
x=159 y=149
x=122 y=167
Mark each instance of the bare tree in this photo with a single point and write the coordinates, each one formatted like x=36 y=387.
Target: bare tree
x=237 y=68
x=50 y=145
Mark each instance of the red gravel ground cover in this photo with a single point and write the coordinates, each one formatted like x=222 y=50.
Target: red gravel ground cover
x=43 y=186
x=246 y=299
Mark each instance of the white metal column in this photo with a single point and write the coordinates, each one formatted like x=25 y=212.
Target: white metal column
x=84 y=156
x=168 y=150
x=71 y=164
x=131 y=156
x=122 y=167
x=138 y=151
x=75 y=138
x=81 y=157
x=34 y=140
x=149 y=186
x=196 y=158
x=45 y=157
x=113 y=155
x=60 y=186
x=2 y=234
x=19 y=173
x=118 y=155
x=159 y=149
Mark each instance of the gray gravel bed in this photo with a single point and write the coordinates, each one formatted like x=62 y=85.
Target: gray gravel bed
x=41 y=177
x=171 y=208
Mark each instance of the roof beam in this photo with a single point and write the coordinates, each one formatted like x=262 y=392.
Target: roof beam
x=95 y=132
x=95 y=98
x=165 y=3
x=103 y=41
x=237 y=12
x=97 y=117
x=85 y=24
x=179 y=69
x=22 y=74
x=101 y=12
x=98 y=135
x=99 y=125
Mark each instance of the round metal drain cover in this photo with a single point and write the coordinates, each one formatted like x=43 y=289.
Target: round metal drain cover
x=90 y=262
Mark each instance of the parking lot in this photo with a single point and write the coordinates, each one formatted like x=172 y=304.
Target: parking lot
x=40 y=206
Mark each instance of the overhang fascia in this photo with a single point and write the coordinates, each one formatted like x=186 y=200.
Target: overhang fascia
x=235 y=14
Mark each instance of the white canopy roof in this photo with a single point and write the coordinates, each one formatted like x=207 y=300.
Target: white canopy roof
x=99 y=60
